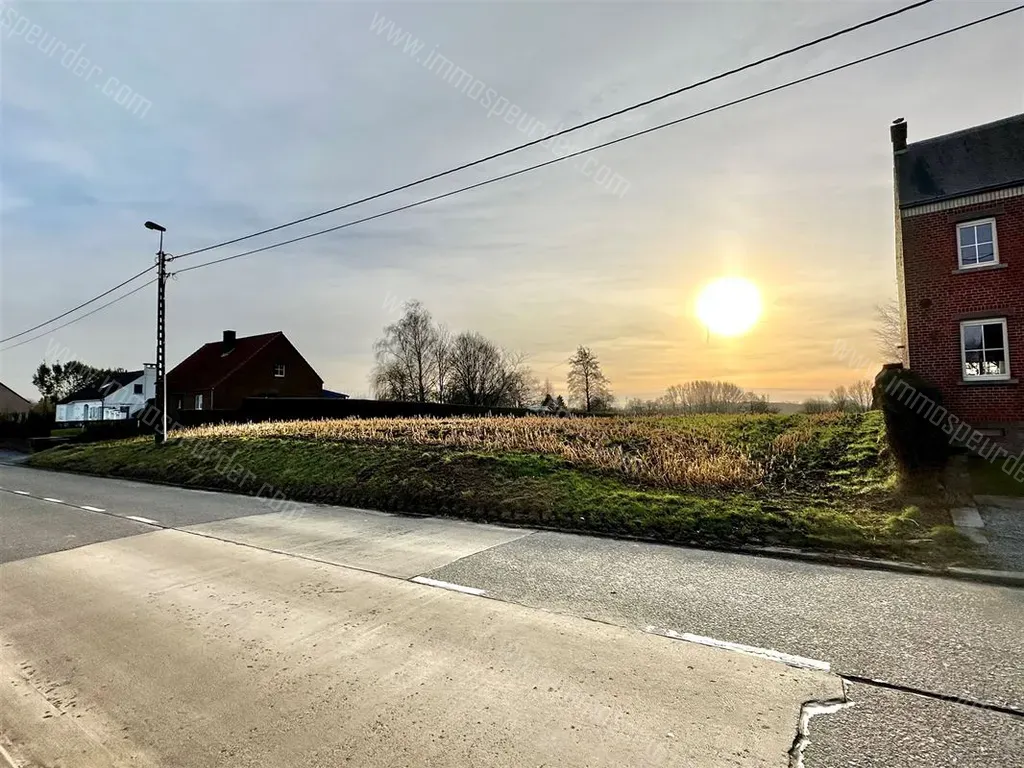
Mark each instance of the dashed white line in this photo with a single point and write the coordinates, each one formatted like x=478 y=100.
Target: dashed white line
x=91 y=509
x=55 y=501
x=448 y=585
x=142 y=519
x=23 y=493
x=801 y=662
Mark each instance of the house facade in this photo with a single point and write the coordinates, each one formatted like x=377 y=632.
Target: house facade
x=120 y=396
x=11 y=402
x=960 y=269
x=221 y=374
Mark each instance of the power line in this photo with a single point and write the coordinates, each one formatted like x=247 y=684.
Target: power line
x=722 y=75
x=587 y=124
x=82 y=317
x=75 y=309
x=434 y=198
x=643 y=132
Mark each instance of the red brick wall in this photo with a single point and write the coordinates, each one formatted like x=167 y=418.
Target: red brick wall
x=929 y=260
x=257 y=378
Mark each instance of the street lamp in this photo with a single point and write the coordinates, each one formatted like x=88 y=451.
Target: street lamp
x=161 y=332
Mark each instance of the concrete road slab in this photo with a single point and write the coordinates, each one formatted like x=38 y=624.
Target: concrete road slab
x=889 y=728
x=374 y=541
x=952 y=637
x=172 y=649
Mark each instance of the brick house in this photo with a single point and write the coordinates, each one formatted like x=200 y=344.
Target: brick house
x=222 y=373
x=960 y=269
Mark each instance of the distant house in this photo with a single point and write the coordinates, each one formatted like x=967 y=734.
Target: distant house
x=222 y=373
x=332 y=395
x=119 y=396
x=12 y=402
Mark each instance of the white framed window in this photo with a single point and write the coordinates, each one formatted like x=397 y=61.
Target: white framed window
x=279 y=371
x=977 y=244
x=984 y=349
x=199 y=402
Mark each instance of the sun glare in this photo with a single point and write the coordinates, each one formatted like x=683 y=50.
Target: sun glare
x=729 y=306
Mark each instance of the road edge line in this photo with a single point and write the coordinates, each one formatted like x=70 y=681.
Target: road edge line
x=789 y=659
x=449 y=586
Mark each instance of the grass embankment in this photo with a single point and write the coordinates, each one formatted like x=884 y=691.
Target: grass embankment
x=820 y=482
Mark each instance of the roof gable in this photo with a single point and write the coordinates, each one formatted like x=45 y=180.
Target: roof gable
x=104 y=388
x=208 y=366
x=977 y=159
x=10 y=391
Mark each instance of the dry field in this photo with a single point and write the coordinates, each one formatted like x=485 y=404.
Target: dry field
x=682 y=452
x=820 y=482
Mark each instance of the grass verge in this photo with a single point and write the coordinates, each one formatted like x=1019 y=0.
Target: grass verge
x=824 y=486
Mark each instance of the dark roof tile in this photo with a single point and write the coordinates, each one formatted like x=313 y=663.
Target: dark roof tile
x=207 y=366
x=978 y=159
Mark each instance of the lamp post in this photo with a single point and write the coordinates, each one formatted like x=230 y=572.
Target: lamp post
x=161 y=333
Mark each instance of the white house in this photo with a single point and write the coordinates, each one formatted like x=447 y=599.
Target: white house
x=120 y=396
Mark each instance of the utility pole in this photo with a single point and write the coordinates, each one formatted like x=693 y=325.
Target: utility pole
x=160 y=398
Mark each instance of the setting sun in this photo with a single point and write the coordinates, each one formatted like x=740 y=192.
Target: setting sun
x=729 y=306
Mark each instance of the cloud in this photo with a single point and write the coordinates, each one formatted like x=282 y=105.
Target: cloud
x=265 y=112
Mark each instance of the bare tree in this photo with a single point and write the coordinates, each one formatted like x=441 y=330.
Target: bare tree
x=855 y=398
x=817 y=405
x=888 y=331
x=588 y=386
x=482 y=373
x=442 y=352
x=406 y=366
x=388 y=381
x=705 y=397
x=839 y=399
x=861 y=395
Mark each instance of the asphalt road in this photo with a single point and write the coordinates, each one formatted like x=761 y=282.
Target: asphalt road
x=940 y=637
x=933 y=639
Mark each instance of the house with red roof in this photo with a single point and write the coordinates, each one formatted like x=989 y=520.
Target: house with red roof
x=223 y=373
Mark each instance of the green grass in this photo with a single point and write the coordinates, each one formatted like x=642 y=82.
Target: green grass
x=989 y=478
x=830 y=486
x=66 y=432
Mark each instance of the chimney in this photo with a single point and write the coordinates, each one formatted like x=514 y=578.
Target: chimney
x=229 y=342
x=898 y=133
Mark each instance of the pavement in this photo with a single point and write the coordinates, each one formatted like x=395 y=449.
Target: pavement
x=147 y=625
x=1002 y=525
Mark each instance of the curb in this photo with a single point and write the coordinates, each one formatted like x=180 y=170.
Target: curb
x=977 y=575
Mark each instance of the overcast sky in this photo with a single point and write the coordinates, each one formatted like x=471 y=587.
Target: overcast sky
x=266 y=111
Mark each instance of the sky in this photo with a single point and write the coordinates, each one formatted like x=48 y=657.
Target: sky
x=250 y=114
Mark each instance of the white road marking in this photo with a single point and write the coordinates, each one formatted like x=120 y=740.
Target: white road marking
x=23 y=493
x=142 y=519
x=92 y=509
x=448 y=585
x=55 y=501
x=765 y=653
x=6 y=759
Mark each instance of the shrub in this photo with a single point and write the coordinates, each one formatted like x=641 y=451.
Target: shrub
x=909 y=404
